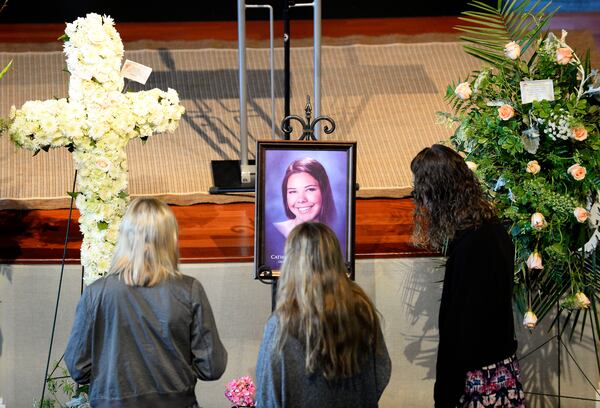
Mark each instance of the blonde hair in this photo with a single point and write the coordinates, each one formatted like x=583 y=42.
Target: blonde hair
x=147 y=249
x=320 y=306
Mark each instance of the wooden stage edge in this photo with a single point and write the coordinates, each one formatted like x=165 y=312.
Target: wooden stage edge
x=207 y=232
x=258 y=30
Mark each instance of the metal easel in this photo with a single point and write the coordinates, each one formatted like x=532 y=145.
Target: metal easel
x=233 y=176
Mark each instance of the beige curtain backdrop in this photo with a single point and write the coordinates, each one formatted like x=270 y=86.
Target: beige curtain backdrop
x=384 y=96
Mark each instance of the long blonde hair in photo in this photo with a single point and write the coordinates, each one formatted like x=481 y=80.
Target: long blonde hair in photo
x=319 y=305
x=147 y=249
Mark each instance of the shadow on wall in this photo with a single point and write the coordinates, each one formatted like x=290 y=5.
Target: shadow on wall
x=421 y=297
x=539 y=354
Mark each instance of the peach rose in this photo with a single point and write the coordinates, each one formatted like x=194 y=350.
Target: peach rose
x=533 y=167
x=530 y=320
x=463 y=90
x=471 y=165
x=564 y=55
x=577 y=172
x=535 y=261
x=512 y=50
x=579 y=133
x=506 y=112
x=582 y=301
x=538 y=222
x=581 y=214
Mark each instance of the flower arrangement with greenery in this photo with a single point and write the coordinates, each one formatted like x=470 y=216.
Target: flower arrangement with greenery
x=96 y=122
x=537 y=153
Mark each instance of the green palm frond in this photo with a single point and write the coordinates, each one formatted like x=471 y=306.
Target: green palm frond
x=5 y=70
x=490 y=28
x=591 y=287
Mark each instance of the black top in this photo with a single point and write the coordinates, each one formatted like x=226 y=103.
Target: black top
x=476 y=320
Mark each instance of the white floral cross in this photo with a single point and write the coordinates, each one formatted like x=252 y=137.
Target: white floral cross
x=96 y=122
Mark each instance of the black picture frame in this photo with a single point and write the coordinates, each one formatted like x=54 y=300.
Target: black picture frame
x=274 y=219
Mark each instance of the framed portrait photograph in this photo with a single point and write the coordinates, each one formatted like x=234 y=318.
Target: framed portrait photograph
x=300 y=181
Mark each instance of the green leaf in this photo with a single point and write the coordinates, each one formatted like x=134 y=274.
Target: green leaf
x=73 y=194
x=490 y=44
x=481 y=21
x=5 y=69
x=102 y=225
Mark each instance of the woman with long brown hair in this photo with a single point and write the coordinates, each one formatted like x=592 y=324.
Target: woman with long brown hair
x=323 y=345
x=476 y=364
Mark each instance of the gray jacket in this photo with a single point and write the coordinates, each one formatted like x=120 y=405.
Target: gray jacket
x=282 y=380
x=144 y=347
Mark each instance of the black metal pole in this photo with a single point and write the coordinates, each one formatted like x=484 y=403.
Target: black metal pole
x=60 y=281
x=558 y=345
x=273 y=295
x=286 y=64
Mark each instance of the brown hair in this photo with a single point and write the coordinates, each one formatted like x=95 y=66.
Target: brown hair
x=315 y=169
x=147 y=249
x=447 y=195
x=319 y=305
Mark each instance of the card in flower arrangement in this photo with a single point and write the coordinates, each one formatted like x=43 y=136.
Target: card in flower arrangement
x=136 y=72
x=95 y=123
x=540 y=90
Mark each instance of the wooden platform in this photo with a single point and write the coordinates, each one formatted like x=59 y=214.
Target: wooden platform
x=208 y=233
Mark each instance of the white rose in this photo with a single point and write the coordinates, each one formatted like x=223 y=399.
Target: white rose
x=463 y=90
x=538 y=222
x=535 y=261
x=530 y=320
x=582 y=301
x=512 y=50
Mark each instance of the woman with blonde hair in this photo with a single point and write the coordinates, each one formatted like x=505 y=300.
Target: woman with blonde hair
x=145 y=332
x=323 y=345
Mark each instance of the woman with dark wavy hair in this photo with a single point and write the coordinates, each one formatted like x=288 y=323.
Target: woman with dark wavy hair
x=476 y=363
x=323 y=345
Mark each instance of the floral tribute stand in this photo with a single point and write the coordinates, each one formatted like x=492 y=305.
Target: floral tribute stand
x=528 y=126
x=95 y=123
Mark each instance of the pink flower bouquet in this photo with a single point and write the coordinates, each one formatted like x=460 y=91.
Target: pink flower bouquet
x=241 y=391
